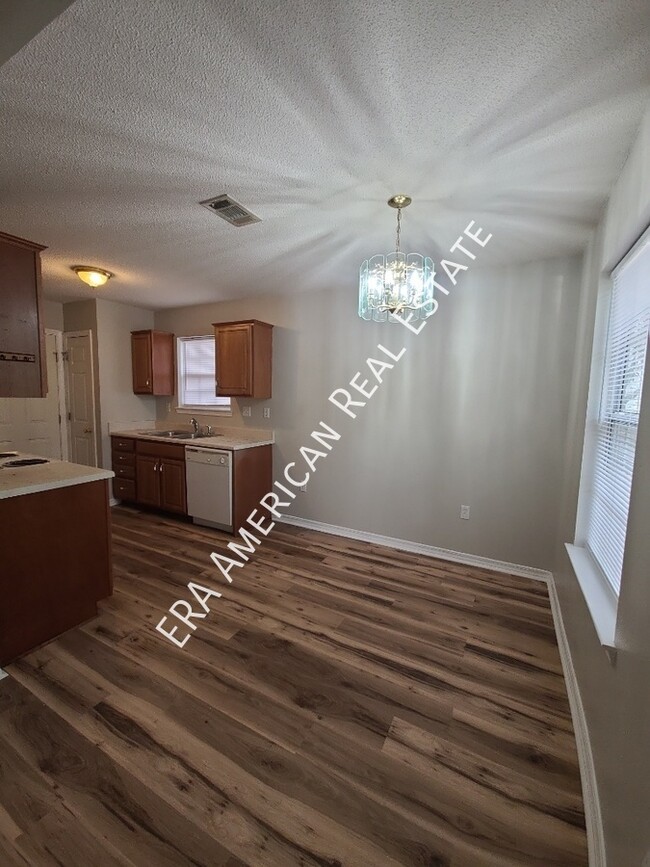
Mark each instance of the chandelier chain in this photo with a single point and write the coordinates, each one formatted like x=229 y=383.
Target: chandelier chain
x=399 y=230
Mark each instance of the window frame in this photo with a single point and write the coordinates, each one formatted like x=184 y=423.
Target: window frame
x=224 y=408
x=600 y=596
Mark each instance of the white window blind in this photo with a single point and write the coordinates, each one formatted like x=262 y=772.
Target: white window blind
x=618 y=417
x=196 y=374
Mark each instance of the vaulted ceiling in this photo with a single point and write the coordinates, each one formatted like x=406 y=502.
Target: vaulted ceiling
x=117 y=118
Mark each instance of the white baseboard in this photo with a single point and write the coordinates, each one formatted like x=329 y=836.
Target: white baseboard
x=114 y=502
x=591 y=800
x=595 y=837
x=420 y=548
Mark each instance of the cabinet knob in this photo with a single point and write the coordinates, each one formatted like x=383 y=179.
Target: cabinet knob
x=147 y=382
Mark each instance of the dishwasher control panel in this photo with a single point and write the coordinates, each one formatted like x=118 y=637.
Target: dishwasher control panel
x=208 y=456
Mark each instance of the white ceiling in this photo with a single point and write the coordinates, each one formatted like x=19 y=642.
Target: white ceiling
x=118 y=117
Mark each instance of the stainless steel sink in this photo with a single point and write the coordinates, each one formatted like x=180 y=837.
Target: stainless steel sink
x=169 y=434
x=179 y=434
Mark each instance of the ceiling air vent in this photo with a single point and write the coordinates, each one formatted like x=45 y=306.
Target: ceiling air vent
x=230 y=211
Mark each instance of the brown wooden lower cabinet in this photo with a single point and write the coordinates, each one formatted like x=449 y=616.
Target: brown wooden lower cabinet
x=252 y=478
x=123 y=461
x=147 y=480
x=153 y=474
x=124 y=489
x=173 y=495
x=55 y=564
x=160 y=475
x=161 y=483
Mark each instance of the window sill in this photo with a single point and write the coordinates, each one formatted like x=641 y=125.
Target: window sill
x=204 y=410
x=601 y=602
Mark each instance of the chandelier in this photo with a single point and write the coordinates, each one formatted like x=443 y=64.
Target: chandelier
x=398 y=283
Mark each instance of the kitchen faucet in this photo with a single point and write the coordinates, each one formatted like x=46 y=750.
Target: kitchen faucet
x=195 y=425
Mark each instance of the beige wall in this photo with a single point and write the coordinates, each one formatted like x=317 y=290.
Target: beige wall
x=119 y=406
x=475 y=412
x=52 y=314
x=616 y=698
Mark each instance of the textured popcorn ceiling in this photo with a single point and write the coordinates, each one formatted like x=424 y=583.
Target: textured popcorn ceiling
x=117 y=118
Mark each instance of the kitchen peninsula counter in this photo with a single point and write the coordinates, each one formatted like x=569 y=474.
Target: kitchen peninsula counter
x=55 y=561
x=16 y=481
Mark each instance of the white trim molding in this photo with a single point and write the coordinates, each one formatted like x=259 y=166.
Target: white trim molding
x=420 y=548
x=590 y=797
x=593 y=821
x=600 y=598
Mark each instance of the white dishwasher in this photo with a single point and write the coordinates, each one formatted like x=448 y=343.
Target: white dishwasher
x=209 y=486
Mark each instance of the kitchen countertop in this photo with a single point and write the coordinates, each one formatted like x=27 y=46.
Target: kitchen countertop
x=229 y=439
x=16 y=481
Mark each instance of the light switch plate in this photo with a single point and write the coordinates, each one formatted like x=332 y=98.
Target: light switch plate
x=246 y=411
x=267 y=412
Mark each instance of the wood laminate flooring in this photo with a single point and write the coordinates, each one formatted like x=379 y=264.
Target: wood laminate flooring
x=343 y=704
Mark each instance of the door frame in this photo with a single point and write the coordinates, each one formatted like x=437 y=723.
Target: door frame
x=84 y=333
x=61 y=384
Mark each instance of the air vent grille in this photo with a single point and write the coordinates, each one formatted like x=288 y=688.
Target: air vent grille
x=230 y=211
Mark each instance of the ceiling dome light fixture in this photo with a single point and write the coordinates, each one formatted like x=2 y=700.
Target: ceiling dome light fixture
x=92 y=276
x=396 y=282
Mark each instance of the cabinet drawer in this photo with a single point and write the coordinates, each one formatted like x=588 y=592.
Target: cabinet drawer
x=174 y=451
x=124 y=472
x=123 y=445
x=123 y=489
x=123 y=459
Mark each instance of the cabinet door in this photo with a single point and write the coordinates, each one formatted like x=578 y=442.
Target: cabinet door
x=147 y=480
x=141 y=353
x=234 y=360
x=172 y=486
x=22 y=356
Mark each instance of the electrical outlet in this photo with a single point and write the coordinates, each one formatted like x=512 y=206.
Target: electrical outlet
x=464 y=512
x=246 y=411
x=267 y=412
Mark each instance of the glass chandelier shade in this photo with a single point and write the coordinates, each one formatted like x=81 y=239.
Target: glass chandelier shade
x=399 y=283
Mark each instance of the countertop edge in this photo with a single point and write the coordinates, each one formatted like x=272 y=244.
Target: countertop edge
x=40 y=487
x=228 y=444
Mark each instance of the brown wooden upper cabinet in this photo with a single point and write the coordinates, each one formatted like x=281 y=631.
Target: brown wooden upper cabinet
x=23 y=371
x=243 y=352
x=152 y=355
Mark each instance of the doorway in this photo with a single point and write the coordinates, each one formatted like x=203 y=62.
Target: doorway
x=80 y=392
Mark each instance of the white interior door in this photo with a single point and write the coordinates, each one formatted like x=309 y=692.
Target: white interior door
x=80 y=392
x=33 y=424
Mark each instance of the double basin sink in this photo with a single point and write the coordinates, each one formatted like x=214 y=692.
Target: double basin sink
x=179 y=434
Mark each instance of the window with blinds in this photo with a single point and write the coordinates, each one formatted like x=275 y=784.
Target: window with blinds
x=196 y=375
x=618 y=416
